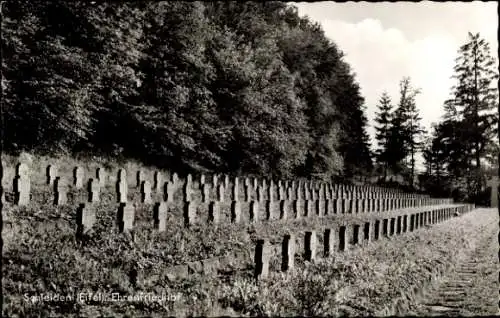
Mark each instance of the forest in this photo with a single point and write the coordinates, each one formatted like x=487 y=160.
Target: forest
x=233 y=87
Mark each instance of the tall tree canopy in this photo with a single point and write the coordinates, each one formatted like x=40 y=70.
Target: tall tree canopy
x=215 y=86
x=466 y=137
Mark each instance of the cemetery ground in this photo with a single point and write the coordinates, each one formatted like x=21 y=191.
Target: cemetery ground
x=391 y=275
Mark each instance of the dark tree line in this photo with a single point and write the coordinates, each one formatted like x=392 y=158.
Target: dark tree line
x=462 y=149
x=235 y=87
x=399 y=133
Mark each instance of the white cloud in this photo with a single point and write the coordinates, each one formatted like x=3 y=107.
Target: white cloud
x=385 y=42
x=381 y=57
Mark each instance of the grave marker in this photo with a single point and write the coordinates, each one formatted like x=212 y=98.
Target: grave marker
x=310 y=246
x=160 y=216
x=235 y=212
x=493 y=183
x=140 y=177
x=101 y=176
x=126 y=215
x=288 y=253
x=94 y=190
x=52 y=173
x=60 y=191
x=22 y=189
x=78 y=175
x=261 y=259
x=214 y=212
x=254 y=211
x=158 y=181
x=85 y=218
x=328 y=243
x=145 y=192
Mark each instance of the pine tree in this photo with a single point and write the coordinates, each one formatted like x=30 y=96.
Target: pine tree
x=414 y=134
x=472 y=107
x=475 y=96
x=398 y=146
x=383 y=119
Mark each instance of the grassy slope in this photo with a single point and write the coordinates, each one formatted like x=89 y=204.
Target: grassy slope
x=379 y=279
x=42 y=255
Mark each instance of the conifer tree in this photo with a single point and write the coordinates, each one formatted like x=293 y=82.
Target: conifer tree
x=472 y=111
x=383 y=120
x=475 y=96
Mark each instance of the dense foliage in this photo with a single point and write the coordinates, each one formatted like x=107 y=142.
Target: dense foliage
x=399 y=132
x=464 y=148
x=228 y=86
x=460 y=152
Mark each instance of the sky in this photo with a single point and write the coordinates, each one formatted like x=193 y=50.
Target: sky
x=384 y=42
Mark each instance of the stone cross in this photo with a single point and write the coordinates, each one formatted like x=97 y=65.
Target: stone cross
x=175 y=178
x=280 y=191
x=22 y=189
x=205 y=190
x=261 y=259
x=158 y=181
x=270 y=191
x=214 y=212
x=160 y=216
x=236 y=189
x=60 y=191
x=100 y=174
x=122 y=190
x=254 y=211
x=126 y=216
x=259 y=193
x=235 y=212
x=22 y=170
x=189 y=213
x=52 y=173
x=188 y=192
x=78 y=175
x=145 y=192
x=288 y=253
x=220 y=193
x=310 y=245
x=85 y=218
x=141 y=176
x=283 y=210
x=122 y=175
x=22 y=184
x=170 y=190
x=248 y=190
x=493 y=183
x=94 y=188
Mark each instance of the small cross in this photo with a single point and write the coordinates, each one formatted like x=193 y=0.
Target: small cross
x=493 y=183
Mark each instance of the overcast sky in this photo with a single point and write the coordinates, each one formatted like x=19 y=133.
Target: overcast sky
x=383 y=42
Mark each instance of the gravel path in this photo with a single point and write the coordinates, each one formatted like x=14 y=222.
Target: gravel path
x=471 y=287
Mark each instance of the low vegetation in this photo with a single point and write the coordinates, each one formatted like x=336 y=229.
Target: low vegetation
x=43 y=256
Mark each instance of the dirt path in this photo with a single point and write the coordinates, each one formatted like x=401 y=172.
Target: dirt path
x=471 y=288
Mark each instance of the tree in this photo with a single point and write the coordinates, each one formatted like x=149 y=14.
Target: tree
x=475 y=96
x=383 y=119
x=414 y=133
x=86 y=59
x=472 y=108
x=220 y=86
x=405 y=131
x=46 y=98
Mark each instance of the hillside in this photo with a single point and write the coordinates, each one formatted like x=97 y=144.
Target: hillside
x=239 y=88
